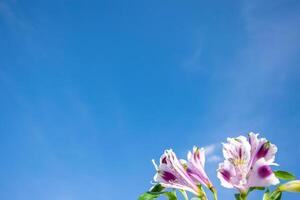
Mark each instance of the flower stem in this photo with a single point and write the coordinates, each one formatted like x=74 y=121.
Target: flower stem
x=243 y=195
x=202 y=195
x=215 y=196
x=214 y=191
x=184 y=194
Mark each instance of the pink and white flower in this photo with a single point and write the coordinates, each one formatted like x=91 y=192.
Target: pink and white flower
x=247 y=163
x=171 y=173
x=195 y=167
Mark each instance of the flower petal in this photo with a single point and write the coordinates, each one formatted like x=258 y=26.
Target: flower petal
x=225 y=173
x=262 y=175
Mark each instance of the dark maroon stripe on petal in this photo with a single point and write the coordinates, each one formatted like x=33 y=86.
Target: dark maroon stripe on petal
x=240 y=152
x=164 y=160
x=263 y=150
x=226 y=174
x=189 y=171
x=264 y=171
x=167 y=176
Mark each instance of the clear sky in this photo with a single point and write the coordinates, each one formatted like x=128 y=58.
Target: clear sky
x=91 y=91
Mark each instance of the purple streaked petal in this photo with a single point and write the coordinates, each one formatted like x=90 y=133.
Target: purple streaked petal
x=226 y=174
x=195 y=167
x=168 y=176
x=263 y=150
x=172 y=171
x=264 y=171
x=261 y=175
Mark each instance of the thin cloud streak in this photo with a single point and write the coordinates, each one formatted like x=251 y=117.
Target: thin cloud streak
x=214 y=158
x=209 y=149
x=211 y=153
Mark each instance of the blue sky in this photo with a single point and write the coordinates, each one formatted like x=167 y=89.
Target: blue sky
x=91 y=91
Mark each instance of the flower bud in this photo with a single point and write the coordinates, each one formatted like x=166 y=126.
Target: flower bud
x=292 y=186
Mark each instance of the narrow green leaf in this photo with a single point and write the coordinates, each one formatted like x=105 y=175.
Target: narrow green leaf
x=195 y=198
x=184 y=194
x=266 y=195
x=148 y=196
x=171 y=195
x=154 y=193
x=237 y=196
x=259 y=188
x=277 y=196
x=157 y=188
x=284 y=175
x=256 y=188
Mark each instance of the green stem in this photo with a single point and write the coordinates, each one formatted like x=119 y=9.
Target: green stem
x=215 y=195
x=184 y=194
x=214 y=191
x=202 y=195
x=243 y=195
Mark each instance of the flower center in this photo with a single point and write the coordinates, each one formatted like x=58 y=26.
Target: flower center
x=239 y=162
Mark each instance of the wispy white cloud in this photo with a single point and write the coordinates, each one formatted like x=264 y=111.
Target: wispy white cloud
x=211 y=153
x=209 y=149
x=192 y=61
x=214 y=158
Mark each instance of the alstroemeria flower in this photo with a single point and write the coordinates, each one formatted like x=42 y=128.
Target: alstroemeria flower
x=195 y=167
x=172 y=174
x=247 y=163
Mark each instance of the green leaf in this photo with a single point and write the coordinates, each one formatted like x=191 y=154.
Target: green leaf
x=154 y=192
x=237 y=196
x=157 y=188
x=171 y=195
x=284 y=175
x=148 y=196
x=266 y=195
x=184 y=194
x=256 y=188
x=277 y=196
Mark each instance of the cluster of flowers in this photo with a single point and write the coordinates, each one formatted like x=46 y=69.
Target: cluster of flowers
x=246 y=166
x=181 y=174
